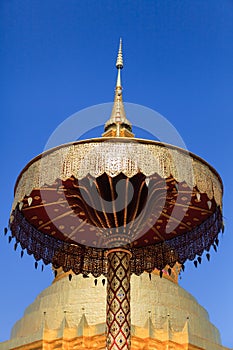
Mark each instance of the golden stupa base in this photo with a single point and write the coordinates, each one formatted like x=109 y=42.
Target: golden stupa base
x=98 y=342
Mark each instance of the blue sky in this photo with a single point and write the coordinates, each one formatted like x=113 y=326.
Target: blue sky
x=58 y=57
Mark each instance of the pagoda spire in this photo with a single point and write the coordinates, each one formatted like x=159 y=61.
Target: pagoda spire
x=118 y=125
x=119 y=65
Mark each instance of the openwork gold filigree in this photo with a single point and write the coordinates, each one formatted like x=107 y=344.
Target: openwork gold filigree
x=114 y=157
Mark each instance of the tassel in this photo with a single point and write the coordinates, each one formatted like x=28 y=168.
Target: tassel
x=103 y=282
x=5 y=231
x=223 y=227
x=21 y=254
x=96 y=281
x=70 y=277
x=161 y=273
x=150 y=276
x=208 y=256
x=199 y=259
x=9 y=239
x=169 y=271
x=195 y=263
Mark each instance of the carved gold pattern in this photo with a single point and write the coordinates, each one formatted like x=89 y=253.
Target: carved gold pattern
x=114 y=156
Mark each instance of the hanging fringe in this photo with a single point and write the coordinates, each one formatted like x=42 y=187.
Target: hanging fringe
x=62 y=254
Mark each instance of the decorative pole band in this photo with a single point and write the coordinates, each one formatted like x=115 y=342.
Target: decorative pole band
x=118 y=300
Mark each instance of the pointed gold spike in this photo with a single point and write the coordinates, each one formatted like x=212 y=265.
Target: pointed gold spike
x=119 y=62
x=118 y=125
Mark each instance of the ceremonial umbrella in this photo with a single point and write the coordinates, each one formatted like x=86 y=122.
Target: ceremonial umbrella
x=117 y=205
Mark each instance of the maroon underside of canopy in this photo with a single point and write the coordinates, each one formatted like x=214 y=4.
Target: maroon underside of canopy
x=72 y=223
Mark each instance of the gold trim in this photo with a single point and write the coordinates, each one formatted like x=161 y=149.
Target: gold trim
x=115 y=156
x=115 y=250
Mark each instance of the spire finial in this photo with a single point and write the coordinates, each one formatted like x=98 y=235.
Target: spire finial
x=119 y=62
x=118 y=125
x=119 y=65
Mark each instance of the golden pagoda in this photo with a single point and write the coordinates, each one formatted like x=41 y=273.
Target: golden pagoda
x=71 y=312
x=71 y=315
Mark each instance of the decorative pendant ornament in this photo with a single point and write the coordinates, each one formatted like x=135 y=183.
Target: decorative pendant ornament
x=29 y=201
x=20 y=205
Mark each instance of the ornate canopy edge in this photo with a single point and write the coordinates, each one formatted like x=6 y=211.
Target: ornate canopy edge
x=113 y=156
x=85 y=260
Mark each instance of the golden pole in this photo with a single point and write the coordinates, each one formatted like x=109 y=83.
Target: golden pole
x=118 y=300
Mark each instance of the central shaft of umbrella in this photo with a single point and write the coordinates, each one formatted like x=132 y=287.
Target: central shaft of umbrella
x=118 y=300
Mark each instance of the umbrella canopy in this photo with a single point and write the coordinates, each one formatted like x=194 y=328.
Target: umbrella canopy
x=76 y=201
